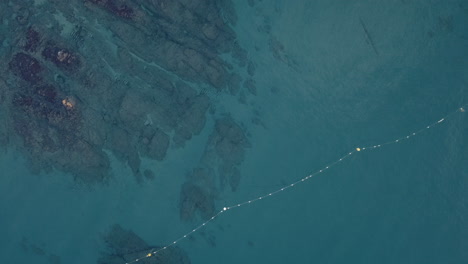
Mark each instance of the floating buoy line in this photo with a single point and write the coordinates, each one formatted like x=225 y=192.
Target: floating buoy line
x=154 y=252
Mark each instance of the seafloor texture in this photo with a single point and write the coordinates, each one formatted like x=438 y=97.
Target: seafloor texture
x=81 y=77
x=125 y=125
x=124 y=246
x=82 y=80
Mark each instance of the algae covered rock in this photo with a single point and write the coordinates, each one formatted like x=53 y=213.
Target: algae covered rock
x=125 y=246
x=219 y=166
x=111 y=77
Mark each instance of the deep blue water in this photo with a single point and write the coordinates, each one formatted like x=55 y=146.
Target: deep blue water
x=335 y=89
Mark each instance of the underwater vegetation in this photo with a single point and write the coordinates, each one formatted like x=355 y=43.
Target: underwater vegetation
x=80 y=78
x=85 y=81
x=124 y=246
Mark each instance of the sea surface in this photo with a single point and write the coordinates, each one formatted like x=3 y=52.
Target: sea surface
x=349 y=74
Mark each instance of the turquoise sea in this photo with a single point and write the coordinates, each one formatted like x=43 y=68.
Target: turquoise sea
x=348 y=74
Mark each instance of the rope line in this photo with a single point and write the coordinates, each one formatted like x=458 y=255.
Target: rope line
x=153 y=252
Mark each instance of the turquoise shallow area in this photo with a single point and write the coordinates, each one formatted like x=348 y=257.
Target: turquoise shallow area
x=351 y=74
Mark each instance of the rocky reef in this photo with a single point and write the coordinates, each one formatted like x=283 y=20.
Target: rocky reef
x=86 y=81
x=198 y=194
x=79 y=78
x=218 y=167
x=124 y=246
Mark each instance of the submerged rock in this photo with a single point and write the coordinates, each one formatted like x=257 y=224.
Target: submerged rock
x=221 y=159
x=197 y=195
x=124 y=76
x=33 y=39
x=229 y=141
x=125 y=246
x=154 y=143
x=26 y=67
x=116 y=7
x=61 y=57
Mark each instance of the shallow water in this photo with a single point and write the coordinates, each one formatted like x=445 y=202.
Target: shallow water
x=350 y=75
